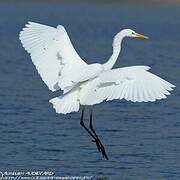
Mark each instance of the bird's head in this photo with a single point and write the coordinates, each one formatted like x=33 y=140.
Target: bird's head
x=131 y=33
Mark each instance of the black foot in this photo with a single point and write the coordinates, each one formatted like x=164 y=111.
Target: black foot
x=102 y=149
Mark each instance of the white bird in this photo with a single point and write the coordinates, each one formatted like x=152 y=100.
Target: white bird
x=60 y=67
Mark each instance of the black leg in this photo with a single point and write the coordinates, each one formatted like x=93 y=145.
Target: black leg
x=89 y=132
x=101 y=145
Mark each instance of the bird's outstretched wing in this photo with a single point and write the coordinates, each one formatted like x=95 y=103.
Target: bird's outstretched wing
x=53 y=55
x=133 y=83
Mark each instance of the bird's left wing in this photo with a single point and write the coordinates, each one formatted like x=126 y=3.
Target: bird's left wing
x=53 y=54
x=133 y=83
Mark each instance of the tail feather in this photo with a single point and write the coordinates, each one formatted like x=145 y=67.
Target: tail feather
x=66 y=103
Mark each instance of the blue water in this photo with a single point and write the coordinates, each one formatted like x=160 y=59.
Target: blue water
x=142 y=140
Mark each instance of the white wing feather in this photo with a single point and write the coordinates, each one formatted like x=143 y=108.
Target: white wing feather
x=133 y=83
x=53 y=55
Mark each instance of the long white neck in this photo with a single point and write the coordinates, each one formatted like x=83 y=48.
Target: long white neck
x=116 y=50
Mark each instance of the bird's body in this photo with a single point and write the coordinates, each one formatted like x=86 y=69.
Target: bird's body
x=61 y=67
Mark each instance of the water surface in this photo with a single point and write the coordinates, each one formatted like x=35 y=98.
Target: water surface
x=141 y=139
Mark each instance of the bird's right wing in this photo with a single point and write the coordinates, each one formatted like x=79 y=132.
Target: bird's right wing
x=53 y=55
x=133 y=83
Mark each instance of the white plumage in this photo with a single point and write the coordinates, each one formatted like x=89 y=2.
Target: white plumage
x=54 y=56
x=134 y=84
x=60 y=67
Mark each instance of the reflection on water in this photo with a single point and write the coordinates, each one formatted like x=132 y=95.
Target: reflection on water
x=142 y=140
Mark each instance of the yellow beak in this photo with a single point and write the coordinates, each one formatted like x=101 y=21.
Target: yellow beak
x=141 y=36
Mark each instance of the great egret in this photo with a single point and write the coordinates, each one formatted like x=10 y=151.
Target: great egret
x=60 y=67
